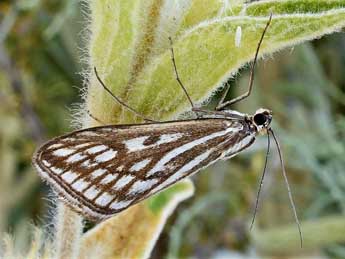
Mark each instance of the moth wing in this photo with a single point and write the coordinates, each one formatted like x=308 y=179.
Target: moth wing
x=102 y=171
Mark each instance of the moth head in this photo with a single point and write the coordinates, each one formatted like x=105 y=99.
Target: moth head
x=262 y=119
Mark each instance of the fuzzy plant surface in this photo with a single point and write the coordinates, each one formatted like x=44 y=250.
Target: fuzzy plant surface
x=128 y=44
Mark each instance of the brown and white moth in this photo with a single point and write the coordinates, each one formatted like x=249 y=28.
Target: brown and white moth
x=103 y=170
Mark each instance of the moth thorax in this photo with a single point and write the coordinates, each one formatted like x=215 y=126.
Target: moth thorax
x=262 y=119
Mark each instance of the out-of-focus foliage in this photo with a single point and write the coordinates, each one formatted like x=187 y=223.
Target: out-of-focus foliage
x=39 y=65
x=304 y=87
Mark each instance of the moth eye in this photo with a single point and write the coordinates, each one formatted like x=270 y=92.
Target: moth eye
x=260 y=119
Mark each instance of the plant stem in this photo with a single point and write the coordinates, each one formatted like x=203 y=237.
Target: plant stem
x=69 y=228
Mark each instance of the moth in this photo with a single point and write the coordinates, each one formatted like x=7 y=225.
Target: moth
x=103 y=170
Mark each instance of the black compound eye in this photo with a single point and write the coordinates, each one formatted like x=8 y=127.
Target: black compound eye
x=260 y=119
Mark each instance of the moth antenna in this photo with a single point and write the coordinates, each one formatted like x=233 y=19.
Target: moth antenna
x=177 y=74
x=119 y=100
x=261 y=181
x=288 y=187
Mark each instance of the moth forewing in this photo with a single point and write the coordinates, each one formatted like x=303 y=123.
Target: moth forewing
x=103 y=170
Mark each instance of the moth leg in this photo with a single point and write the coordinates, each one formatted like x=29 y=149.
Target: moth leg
x=225 y=93
x=178 y=79
x=120 y=101
x=222 y=105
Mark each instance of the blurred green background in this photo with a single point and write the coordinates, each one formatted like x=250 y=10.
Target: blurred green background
x=41 y=61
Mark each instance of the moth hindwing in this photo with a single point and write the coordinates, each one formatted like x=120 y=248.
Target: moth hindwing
x=103 y=170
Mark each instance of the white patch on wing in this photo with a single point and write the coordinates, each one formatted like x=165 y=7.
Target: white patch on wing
x=160 y=166
x=91 y=193
x=116 y=205
x=69 y=139
x=56 y=170
x=135 y=144
x=166 y=138
x=75 y=158
x=109 y=178
x=182 y=171
x=80 y=185
x=96 y=149
x=63 y=152
x=120 y=168
x=83 y=145
x=106 y=156
x=98 y=172
x=88 y=134
x=69 y=176
x=238 y=146
x=56 y=145
x=87 y=164
x=123 y=181
x=142 y=186
x=140 y=165
x=104 y=199
x=46 y=163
